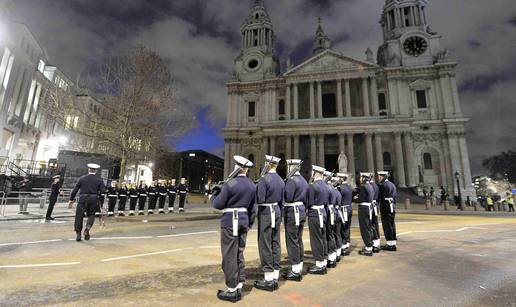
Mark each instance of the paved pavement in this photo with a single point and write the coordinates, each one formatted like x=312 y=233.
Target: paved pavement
x=174 y=260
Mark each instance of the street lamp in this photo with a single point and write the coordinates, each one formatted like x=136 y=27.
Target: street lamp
x=457 y=177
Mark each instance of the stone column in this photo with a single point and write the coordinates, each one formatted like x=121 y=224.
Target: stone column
x=369 y=151
x=365 y=97
x=265 y=146
x=351 y=157
x=272 y=151
x=296 y=101
x=455 y=95
x=313 y=149
x=400 y=168
x=378 y=151
x=374 y=97
x=319 y=99
x=466 y=168
x=339 y=98
x=288 y=151
x=321 y=150
x=348 y=98
x=227 y=159
x=342 y=143
x=296 y=147
x=287 y=103
x=411 y=160
x=312 y=101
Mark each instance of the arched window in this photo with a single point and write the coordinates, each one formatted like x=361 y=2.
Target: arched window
x=387 y=158
x=427 y=160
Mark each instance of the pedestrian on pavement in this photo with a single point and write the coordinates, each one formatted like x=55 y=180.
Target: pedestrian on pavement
x=89 y=187
x=237 y=201
x=510 y=201
x=490 y=203
x=24 y=187
x=444 y=195
x=55 y=190
x=432 y=196
x=133 y=198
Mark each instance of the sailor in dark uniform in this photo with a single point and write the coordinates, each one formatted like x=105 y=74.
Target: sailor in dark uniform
x=133 y=199
x=330 y=222
x=172 y=192
x=162 y=196
x=339 y=218
x=317 y=199
x=365 y=197
x=388 y=196
x=269 y=196
x=122 y=199
x=183 y=191
x=237 y=201
x=90 y=187
x=346 y=207
x=296 y=190
x=55 y=191
x=112 y=197
x=152 y=191
x=142 y=198
x=375 y=210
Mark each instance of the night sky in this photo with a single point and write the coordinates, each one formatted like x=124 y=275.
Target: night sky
x=200 y=39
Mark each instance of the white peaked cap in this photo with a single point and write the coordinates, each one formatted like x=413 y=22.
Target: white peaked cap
x=272 y=159
x=328 y=173
x=294 y=162
x=318 y=169
x=335 y=179
x=243 y=162
x=383 y=173
x=367 y=175
x=93 y=166
x=342 y=175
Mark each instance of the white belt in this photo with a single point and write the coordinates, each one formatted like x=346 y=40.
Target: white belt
x=172 y=192
x=273 y=213
x=332 y=215
x=152 y=193
x=134 y=196
x=296 y=210
x=182 y=192
x=112 y=195
x=375 y=208
x=234 y=212
x=143 y=195
x=391 y=203
x=343 y=216
x=319 y=212
x=370 y=210
x=163 y=194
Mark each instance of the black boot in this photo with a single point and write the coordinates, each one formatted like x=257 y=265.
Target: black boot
x=365 y=252
x=389 y=248
x=266 y=285
x=331 y=264
x=339 y=258
x=291 y=275
x=230 y=296
x=87 y=234
x=376 y=250
x=78 y=238
x=345 y=252
x=317 y=270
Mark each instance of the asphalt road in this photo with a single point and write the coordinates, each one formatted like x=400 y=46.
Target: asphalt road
x=172 y=261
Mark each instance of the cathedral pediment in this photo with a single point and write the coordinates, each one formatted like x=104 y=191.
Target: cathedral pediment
x=329 y=61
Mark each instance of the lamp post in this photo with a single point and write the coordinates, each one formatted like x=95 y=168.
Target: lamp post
x=457 y=177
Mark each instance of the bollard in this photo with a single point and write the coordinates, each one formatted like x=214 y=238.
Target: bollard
x=428 y=204
x=407 y=203
x=446 y=204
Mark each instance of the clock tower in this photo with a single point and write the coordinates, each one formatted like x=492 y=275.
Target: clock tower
x=408 y=39
x=257 y=60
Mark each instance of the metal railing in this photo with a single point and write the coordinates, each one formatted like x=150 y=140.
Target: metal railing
x=23 y=199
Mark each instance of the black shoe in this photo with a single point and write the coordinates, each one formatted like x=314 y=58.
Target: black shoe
x=291 y=275
x=78 y=238
x=150 y=212
x=162 y=212
x=345 y=252
x=365 y=252
x=317 y=270
x=87 y=234
x=389 y=248
x=141 y=213
x=48 y=219
x=110 y=215
x=376 y=250
x=331 y=264
x=339 y=258
x=230 y=296
x=121 y=214
x=131 y=214
x=266 y=285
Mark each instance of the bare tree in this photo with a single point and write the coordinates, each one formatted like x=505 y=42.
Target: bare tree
x=136 y=114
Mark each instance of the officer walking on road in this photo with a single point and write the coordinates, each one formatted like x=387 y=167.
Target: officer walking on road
x=237 y=201
x=388 y=195
x=90 y=187
x=296 y=190
x=55 y=190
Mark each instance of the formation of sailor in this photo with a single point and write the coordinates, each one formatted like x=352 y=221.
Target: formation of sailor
x=346 y=207
x=269 y=197
x=387 y=197
x=237 y=201
x=112 y=196
x=90 y=188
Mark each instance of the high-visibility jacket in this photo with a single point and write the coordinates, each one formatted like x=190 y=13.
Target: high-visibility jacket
x=489 y=201
x=510 y=200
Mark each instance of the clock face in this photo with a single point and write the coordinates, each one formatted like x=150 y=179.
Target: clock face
x=415 y=46
x=253 y=64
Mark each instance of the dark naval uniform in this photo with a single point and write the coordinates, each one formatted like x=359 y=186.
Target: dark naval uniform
x=91 y=187
x=347 y=213
x=339 y=220
x=237 y=202
x=330 y=226
x=270 y=201
x=365 y=197
x=122 y=199
x=112 y=198
x=317 y=200
x=172 y=192
x=55 y=189
x=388 y=196
x=183 y=190
x=162 y=196
x=374 y=221
x=142 y=199
x=153 y=198
x=133 y=199
x=296 y=191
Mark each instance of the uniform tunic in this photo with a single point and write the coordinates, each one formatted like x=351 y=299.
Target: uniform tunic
x=365 y=196
x=91 y=187
x=142 y=198
x=239 y=192
x=153 y=197
x=54 y=194
x=172 y=190
x=270 y=191
x=347 y=209
x=318 y=196
x=133 y=198
x=183 y=190
x=388 y=191
x=296 y=191
x=162 y=195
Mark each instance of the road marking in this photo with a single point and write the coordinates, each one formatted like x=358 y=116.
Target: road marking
x=466 y=228
x=209 y=247
x=188 y=234
x=123 y=238
x=15 y=266
x=404 y=233
x=31 y=242
x=147 y=254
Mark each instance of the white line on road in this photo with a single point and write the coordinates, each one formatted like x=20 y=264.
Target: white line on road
x=188 y=234
x=123 y=238
x=404 y=233
x=15 y=266
x=147 y=254
x=32 y=242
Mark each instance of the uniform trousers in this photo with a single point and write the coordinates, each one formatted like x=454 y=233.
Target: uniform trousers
x=87 y=204
x=111 y=204
x=182 y=198
x=132 y=203
x=141 y=203
x=318 y=241
x=152 y=202
x=330 y=232
x=374 y=224
x=269 y=241
x=346 y=226
x=338 y=232
x=366 y=228
x=171 y=200
x=121 y=203
x=233 y=261
x=294 y=238
x=388 y=223
x=51 y=203
x=162 y=199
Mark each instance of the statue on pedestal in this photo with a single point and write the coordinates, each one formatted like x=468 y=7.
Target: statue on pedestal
x=343 y=162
